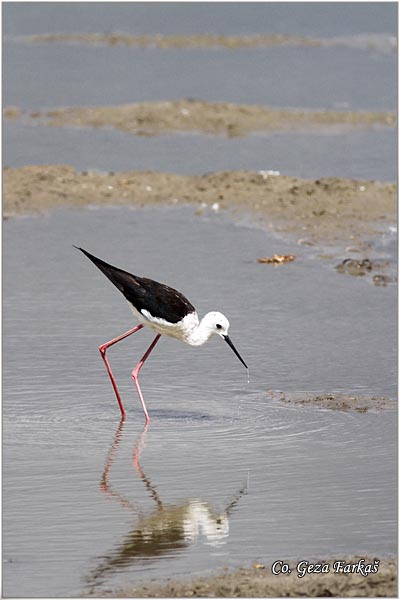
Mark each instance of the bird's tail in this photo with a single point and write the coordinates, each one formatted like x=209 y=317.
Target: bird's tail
x=121 y=279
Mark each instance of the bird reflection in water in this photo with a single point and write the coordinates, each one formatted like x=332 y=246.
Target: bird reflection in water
x=167 y=529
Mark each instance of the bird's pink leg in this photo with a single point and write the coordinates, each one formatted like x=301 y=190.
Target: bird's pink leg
x=136 y=370
x=102 y=350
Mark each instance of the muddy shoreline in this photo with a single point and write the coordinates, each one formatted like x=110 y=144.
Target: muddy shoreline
x=229 y=42
x=259 y=582
x=212 y=118
x=328 y=211
x=335 y=401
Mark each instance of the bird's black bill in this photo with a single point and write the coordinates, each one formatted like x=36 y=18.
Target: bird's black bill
x=229 y=342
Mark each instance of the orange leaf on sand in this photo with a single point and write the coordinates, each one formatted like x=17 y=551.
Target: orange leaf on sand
x=277 y=259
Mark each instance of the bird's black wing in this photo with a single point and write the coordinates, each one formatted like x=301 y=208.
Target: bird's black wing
x=162 y=301
x=159 y=300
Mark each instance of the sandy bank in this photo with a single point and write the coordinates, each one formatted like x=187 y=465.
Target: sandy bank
x=335 y=401
x=331 y=210
x=259 y=582
x=383 y=43
x=216 y=118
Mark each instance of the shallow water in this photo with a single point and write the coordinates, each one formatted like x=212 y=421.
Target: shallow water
x=357 y=154
x=279 y=76
x=317 y=19
x=223 y=476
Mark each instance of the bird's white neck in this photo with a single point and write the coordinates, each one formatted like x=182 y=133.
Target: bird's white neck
x=200 y=333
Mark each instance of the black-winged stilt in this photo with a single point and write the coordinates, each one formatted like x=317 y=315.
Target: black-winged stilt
x=164 y=310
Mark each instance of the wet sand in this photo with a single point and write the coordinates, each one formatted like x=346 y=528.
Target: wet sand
x=259 y=582
x=214 y=118
x=329 y=211
x=231 y=42
x=174 y=41
x=335 y=401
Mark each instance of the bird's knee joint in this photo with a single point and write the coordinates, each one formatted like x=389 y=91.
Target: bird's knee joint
x=102 y=350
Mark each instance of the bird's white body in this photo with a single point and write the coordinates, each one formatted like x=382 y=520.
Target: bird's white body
x=190 y=329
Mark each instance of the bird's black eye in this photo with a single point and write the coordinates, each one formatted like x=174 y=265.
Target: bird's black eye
x=218 y=326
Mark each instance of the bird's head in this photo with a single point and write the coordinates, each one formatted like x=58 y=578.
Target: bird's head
x=218 y=324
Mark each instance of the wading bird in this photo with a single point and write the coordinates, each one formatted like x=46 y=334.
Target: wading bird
x=164 y=310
